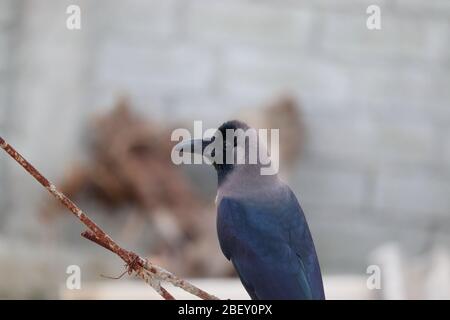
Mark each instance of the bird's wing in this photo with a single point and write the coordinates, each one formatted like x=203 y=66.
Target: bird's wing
x=259 y=248
x=301 y=241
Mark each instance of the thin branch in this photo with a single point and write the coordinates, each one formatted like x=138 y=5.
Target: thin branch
x=150 y=273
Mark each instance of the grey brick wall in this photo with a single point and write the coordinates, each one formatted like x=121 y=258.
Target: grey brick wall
x=376 y=103
x=6 y=41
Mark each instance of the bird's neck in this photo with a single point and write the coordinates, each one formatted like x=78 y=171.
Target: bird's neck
x=240 y=180
x=223 y=172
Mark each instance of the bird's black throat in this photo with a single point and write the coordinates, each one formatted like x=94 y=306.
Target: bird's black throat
x=223 y=170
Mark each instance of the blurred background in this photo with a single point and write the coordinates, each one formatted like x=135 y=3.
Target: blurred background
x=365 y=137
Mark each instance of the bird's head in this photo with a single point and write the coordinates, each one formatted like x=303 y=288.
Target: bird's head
x=230 y=145
x=233 y=145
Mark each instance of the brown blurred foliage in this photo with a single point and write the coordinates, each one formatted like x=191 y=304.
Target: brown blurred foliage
x=129 y=170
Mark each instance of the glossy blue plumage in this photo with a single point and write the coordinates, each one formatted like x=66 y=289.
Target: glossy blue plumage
x=269 y=243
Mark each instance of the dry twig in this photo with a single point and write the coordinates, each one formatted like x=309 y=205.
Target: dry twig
x=150 y=273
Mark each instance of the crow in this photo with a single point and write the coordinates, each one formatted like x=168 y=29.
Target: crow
x=261 y=226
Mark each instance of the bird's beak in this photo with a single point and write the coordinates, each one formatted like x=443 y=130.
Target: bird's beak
x=196 y=146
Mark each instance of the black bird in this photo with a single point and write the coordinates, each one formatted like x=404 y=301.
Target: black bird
x=261 y=227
